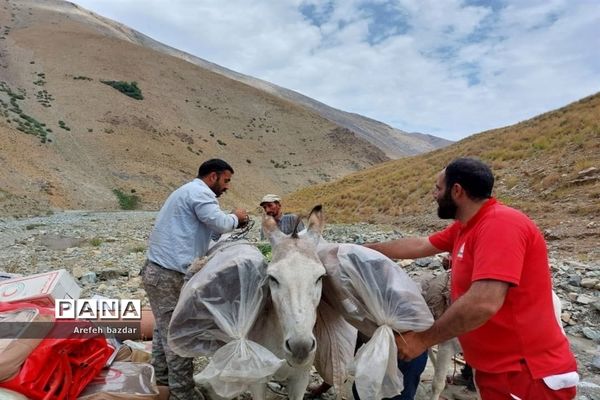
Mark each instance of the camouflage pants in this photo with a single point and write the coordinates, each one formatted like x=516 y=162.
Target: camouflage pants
x=163 y=287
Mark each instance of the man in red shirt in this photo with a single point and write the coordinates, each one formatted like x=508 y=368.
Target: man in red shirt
x=501 y=290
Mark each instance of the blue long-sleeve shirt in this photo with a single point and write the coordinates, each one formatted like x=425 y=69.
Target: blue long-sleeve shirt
x=184 y=225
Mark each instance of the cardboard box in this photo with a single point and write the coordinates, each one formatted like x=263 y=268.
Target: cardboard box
x=41 y=289
x=7 y=275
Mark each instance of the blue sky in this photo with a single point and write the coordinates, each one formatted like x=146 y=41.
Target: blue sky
x=445 y=67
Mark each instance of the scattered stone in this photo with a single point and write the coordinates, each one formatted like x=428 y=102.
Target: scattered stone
x=576 y=264
x=586 y=299
x=589 y=282
x=573 y=296
x=112 y=269
x=108 y=274
x=423 y=262
x=596 y=362
x=88 y=278
x=591 y=333
x=574 y=280
x=405 y=263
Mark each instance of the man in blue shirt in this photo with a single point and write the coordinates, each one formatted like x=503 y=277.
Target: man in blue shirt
x=182 y=233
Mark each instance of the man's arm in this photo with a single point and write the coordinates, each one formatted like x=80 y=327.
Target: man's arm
x=412 y=247
x=470 y=311
x=211 y=214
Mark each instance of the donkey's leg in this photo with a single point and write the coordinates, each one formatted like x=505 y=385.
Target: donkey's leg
x=258 y=391
x=441 y=366
x=297 y=384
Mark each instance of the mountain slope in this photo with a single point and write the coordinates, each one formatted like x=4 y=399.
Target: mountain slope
x=394 y=142
x=69 y=140
x=548 y=166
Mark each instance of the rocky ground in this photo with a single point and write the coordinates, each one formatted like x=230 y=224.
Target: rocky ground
x=105 y=251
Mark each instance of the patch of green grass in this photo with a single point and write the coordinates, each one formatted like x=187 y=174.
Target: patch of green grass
x=96 y=242
x=265 y=249
x=126 y=201
x=129 y=89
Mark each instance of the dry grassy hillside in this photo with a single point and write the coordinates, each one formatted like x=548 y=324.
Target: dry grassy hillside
x=548 y=166
x=69 y=140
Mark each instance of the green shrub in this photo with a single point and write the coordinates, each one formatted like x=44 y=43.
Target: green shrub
x=126 y=201
x=96 y=242
x=265 y=249
x=129 y=89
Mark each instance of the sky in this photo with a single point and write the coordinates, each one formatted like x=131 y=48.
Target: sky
x=450 y=68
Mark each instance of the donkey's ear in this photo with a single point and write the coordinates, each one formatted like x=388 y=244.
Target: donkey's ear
x=271 y=230
x=316 y=223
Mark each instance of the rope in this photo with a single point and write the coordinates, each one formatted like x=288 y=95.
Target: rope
x=242 y=234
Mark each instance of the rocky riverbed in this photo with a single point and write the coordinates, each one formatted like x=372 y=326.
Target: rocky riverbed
x=104 y=251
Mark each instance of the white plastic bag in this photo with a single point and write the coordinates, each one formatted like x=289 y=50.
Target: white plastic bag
x=215 y=312
x=377 y=297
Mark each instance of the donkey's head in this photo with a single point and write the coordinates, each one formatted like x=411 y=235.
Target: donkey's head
x=295 y=275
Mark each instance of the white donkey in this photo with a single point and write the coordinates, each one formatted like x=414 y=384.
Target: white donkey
x=286 y=327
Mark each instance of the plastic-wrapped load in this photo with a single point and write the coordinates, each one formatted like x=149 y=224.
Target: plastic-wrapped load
x=216 y=310
x=123 y=380
x=377 y=297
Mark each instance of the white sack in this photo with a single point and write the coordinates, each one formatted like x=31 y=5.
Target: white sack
x=376 y=296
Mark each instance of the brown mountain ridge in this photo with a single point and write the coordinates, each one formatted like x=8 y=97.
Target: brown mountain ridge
x=548 y=166
x=68 y=140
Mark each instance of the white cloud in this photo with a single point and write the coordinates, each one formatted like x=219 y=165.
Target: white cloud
x=445 y=68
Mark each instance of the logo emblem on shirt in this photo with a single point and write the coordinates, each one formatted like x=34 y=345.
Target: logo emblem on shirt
x=461 y=251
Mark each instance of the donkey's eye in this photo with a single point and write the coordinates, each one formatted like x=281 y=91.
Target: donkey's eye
x=320 y=279
x=273 y=280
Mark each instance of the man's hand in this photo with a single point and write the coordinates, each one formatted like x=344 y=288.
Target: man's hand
x=242 y=216
x=410 y=345
x=473 y=309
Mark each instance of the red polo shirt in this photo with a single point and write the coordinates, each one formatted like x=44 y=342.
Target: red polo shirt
x=503 y=244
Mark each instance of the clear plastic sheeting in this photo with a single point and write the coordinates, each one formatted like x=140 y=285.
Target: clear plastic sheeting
x=238 y=365
x=376 y=296
x=123 y=380
x=216 y=310
x=375 y=367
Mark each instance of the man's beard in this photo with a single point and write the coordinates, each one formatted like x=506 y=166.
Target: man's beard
x=217 y=190
x=446 y=206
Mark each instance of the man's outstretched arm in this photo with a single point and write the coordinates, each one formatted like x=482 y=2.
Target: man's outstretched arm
x=412 y=247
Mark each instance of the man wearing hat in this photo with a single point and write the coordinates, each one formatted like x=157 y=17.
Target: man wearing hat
x=271 y=203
